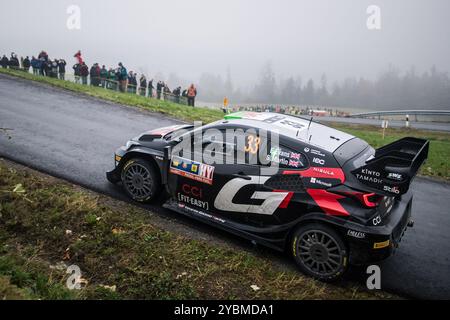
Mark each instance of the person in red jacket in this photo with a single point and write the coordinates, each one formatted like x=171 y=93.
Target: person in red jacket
x=191 y=94
x=78 y=57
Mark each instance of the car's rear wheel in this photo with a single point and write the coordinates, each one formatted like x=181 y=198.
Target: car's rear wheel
x=140 y=180
x=320 y=252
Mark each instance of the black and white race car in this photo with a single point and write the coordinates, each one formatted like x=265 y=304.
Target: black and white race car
x=285 y=182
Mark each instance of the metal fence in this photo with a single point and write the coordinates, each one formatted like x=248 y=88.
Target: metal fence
x=110 y=84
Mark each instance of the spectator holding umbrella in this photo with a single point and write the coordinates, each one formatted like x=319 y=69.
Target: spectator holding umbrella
x=43 y=55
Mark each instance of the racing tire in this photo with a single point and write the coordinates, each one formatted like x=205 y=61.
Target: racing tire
x=320 y=252
x=140 y=180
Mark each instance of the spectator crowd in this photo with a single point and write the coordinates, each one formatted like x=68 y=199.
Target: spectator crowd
x=109 y=78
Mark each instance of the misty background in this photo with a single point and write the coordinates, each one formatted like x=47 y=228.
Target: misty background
x=288 y=51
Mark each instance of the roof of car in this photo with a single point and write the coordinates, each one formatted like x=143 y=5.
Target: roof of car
x=302 y=129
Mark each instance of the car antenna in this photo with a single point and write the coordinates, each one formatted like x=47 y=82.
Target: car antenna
x=309 y=125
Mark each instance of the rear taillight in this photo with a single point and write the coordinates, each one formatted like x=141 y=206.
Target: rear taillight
x=371 y=200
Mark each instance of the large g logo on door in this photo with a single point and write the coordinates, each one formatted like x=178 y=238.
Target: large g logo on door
x=272 y=200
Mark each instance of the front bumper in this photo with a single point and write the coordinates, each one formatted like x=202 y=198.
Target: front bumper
x=381 y=241
x=113 y=176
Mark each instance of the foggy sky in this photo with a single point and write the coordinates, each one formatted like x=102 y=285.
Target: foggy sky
x=189 y=37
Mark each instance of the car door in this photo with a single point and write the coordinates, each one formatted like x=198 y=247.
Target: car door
x=200 y=179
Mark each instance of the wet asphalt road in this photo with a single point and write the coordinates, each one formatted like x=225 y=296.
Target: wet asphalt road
x=74 y=137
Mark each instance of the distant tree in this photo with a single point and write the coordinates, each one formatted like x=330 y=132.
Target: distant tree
x=289 y=92
x=322 y=93
x=266 y=88
x=228 y=86
x=309 y=93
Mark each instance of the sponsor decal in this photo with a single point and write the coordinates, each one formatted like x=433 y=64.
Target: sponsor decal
x=192 y=170
x=317 y=181
x=313 y=172
x=293 y=124
x=370 y=172
x=323 y=171
x=317 y=153
x=274 y=119
x=318 y=161
x=272 y=200
x=389 y=204
x=395 y=176
x=295 y=156
x=294 y=164
x=193 y=201
x=314 y=152
x=356 y=234
x=201 y=213
x=369 y=178
x=391 y=189
x=286 y=158
x=376 y=221
x=192 y=190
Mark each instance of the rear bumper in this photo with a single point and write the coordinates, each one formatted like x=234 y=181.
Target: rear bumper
x=381 y=241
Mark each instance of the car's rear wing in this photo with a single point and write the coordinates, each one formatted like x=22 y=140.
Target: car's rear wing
x=392 y=168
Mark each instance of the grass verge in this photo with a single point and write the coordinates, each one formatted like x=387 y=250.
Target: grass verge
x=437 y=165
x=47 y=225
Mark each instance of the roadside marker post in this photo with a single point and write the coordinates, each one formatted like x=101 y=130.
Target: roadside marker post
x=384 y=125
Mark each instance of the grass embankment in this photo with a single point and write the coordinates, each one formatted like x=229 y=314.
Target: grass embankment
x=437 y=164
x=47 y=225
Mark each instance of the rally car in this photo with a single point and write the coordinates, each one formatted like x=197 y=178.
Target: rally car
x=282 y=181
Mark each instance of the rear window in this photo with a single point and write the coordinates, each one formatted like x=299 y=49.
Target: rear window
x=349 y=150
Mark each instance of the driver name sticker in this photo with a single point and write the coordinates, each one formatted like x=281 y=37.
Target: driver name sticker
x=192 y=170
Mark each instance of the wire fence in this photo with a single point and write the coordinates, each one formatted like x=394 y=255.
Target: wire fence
x=110 y=83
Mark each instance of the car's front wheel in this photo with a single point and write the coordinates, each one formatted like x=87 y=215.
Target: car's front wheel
x=320 y=252
x=140 y=180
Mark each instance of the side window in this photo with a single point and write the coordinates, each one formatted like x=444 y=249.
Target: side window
x=287 y=158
